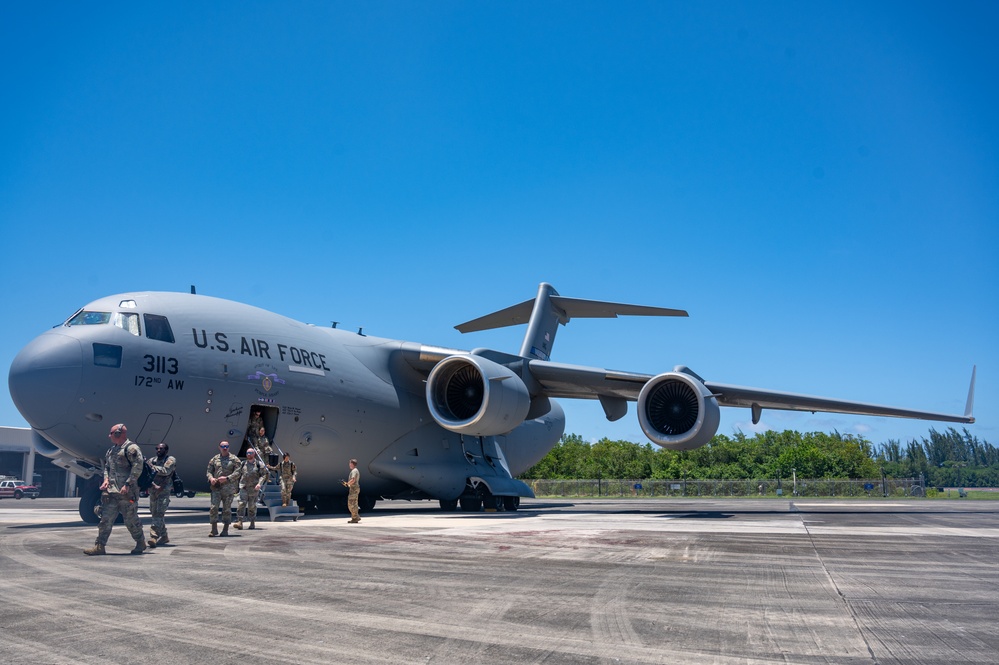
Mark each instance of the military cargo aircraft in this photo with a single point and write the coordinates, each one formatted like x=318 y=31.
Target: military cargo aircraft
x=424 y=422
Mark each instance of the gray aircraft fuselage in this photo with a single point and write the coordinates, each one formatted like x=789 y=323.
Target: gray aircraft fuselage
x=422 y=421
x=327 y=395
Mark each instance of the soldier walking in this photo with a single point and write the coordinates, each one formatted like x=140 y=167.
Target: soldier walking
x=251 y=478
x=120 y=491
x=223 y=479
x=353 y=491
x=163 y=466
x=287 y=471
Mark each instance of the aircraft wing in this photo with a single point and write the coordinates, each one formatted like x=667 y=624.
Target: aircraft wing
x=574 y=381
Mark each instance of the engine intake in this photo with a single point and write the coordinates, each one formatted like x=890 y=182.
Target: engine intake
x=475 y=396
x=677 y=412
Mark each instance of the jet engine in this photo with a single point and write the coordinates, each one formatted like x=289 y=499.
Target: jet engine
x=677 y=412
x=475 y=396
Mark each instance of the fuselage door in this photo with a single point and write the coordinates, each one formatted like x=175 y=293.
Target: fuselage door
x=155 y=429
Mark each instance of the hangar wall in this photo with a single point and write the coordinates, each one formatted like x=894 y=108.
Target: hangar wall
x=18 y=458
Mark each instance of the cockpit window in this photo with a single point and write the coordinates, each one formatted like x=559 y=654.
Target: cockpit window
x=129 y=322
x=157 y=327
x=85 y=318
x=107 y=355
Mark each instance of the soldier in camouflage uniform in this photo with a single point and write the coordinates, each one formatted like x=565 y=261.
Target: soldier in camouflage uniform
x=120 y=491
x=265 y=451
x=251 y=478
x=223 y=479
x=262 y=443
x=353 y=491
x=287 y=470
x=256 y=422
x=163 y=466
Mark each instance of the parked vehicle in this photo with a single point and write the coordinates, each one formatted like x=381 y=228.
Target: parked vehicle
x=16 y=489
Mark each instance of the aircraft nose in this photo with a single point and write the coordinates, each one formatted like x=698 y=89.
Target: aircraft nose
x=45 y=378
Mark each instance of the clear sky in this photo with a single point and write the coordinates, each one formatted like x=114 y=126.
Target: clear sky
x=816 y=183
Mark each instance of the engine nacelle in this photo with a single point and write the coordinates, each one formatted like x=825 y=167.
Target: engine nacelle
x=677 y=412
x=475 y=396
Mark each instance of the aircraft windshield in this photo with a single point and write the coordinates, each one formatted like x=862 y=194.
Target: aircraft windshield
x=129 y=322
x=85 y=318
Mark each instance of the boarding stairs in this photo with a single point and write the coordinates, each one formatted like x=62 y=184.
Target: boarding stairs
x=270 y=496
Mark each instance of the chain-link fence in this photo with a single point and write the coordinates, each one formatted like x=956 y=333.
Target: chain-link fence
x=596 y=488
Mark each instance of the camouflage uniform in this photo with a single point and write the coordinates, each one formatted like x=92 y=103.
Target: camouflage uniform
x=287 y=470
x=263 y=446
x=159 y=496
x=122 y=465
x=354 y=484
x=222 y=495
x=256 y=422
x=264 y=452
x=251 y=478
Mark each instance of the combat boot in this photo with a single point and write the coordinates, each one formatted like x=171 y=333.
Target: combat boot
x=151 y=543
x=162 y=540
x=215 y=530
x=238 y=525
x=225 y=529
x=96 y=549
x=140 y=547
x=253 y=524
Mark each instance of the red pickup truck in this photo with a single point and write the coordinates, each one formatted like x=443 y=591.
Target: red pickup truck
x=16 y=489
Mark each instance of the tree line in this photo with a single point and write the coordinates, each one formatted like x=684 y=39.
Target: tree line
x=948 y=458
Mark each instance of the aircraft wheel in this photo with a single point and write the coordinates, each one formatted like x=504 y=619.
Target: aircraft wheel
x=366 y=503
x=511 y=503
x=471 y=505
x=449 y=505
x=90 y=499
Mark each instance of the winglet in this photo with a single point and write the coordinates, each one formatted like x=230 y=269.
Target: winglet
x=969 y=407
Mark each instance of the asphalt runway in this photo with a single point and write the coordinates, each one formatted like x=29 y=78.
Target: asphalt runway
x=574 y=581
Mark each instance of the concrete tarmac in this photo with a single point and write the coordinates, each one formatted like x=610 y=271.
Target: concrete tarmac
x=572 y=581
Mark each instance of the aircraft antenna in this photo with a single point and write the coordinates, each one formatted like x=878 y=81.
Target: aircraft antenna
x=334 y=323
x=193 y=291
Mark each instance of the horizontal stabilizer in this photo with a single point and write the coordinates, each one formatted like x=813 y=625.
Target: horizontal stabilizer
x=571 y=308
x=545 y=312
x=511 y=316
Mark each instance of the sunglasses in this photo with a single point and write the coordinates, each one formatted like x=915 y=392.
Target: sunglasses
x=224 y=447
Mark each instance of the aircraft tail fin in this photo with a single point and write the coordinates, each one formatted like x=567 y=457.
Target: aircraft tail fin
x=548 y=309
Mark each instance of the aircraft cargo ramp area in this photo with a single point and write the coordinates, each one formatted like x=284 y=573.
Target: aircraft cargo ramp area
x=594 y=581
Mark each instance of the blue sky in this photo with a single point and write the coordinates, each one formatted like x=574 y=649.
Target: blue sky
x=816 y=183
